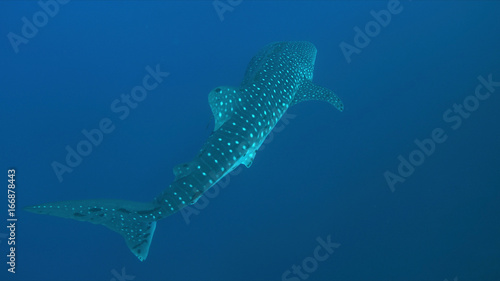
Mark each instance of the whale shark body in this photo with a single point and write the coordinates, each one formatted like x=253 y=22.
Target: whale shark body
x=279 y=76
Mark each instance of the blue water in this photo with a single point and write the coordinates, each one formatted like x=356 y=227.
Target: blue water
x=320 y=177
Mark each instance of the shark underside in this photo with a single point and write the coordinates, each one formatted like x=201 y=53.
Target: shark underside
x=279 y=76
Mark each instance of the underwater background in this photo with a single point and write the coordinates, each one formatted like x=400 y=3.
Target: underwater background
x=402 y=185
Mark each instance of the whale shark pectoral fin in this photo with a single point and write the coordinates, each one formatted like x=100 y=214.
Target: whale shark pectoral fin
x=223 y=101
x=309 y=91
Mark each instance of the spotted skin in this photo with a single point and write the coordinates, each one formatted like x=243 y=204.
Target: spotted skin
x=280 y=75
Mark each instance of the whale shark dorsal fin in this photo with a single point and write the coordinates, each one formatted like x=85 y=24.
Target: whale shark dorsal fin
x=223 y=100
x=309 y=91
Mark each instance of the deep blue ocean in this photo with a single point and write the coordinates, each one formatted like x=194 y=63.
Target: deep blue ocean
x=402 y=185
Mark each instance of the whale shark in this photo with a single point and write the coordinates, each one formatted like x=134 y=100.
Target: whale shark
x=277 y=77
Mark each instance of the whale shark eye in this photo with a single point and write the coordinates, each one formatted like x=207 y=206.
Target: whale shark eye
x=218 y=91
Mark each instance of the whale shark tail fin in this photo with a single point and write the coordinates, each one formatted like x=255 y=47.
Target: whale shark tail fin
x=135 y=221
